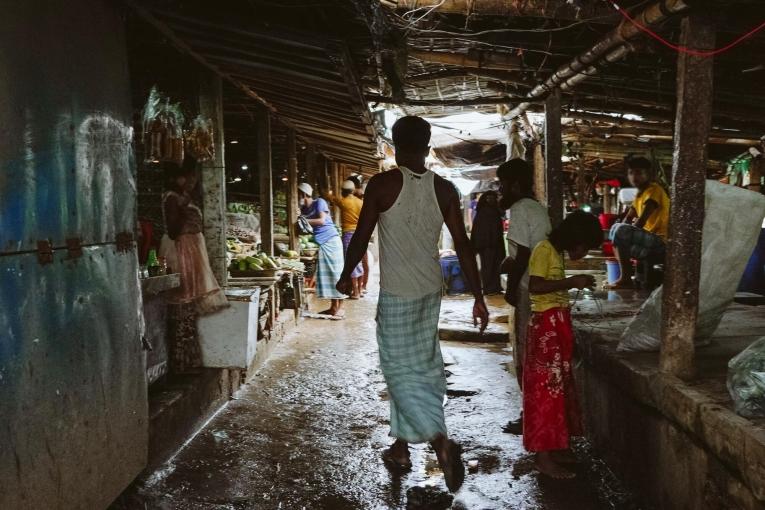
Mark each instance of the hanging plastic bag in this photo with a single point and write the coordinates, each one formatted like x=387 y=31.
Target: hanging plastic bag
x=746 y=380
x=728 y=240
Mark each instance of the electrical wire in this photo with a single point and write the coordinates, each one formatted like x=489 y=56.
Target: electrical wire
x=685 y=49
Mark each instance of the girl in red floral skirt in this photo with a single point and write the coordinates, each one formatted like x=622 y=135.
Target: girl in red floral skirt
x=550 y=409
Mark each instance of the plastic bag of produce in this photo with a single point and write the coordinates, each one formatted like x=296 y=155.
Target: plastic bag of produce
x=728 y=240
x=746 y=380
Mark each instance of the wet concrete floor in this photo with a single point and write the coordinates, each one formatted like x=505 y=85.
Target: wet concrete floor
x=308 y=430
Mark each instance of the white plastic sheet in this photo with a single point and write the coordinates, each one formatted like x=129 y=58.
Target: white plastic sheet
x=746 y=380
x=731 y=227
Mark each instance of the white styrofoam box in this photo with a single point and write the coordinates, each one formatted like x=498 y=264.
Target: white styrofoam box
x=228 y=338
x=627 y=195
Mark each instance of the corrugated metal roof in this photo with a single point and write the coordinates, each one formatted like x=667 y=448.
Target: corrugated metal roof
x=308 y=82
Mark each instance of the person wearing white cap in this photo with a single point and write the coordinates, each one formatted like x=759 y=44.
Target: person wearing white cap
x=330 y=263
x=350 y=208
x=361 y=188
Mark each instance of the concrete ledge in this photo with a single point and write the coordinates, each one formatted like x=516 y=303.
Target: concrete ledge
x=635 y=413
x=180 y=405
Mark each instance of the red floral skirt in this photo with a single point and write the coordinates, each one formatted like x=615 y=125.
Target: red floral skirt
x=551 y=412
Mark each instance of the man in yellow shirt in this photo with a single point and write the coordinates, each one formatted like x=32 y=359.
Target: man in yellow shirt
x=643 y=234
x=350 y=209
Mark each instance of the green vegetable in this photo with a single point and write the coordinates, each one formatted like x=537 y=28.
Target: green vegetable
x=242 y=265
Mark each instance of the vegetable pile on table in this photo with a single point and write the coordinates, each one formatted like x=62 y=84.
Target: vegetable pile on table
x=257 y=264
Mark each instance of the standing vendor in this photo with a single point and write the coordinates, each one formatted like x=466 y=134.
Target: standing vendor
x=183 y=246
x=359 y=192
x=350 y=208
x=330 y=263
x=643 y=233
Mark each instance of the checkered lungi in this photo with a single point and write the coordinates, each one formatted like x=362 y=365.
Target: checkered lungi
x=636 y=242
x=359 y=269
x=329 y=269
x=410 y=358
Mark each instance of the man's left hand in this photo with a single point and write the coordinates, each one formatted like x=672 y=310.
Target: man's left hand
x=480 y=314
x=345 y=285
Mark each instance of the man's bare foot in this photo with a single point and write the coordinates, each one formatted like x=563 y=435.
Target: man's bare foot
x=397 y=456
x=449 y=455
x=547 y=466
x=564 y=457
x=329 y=311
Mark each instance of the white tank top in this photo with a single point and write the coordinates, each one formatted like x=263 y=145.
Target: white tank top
x=409 y=232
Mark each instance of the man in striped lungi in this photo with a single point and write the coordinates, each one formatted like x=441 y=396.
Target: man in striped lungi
x=409 y=205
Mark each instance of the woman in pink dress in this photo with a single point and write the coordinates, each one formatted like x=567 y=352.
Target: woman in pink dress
x=183 y=246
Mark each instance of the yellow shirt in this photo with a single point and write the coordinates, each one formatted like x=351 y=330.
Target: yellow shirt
x=658 y=222
x=547 y=262
x=350 y=209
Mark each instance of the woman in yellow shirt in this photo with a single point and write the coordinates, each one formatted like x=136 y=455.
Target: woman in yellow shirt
x=550 y=409
x=350 y=209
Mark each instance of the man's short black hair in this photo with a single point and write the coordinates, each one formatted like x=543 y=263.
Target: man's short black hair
x=579 y=228
x=411 y=134
x=639 y=163
x=517 y=171
x=356 y=180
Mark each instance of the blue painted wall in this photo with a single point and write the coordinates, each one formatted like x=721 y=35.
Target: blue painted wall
x=73 y=400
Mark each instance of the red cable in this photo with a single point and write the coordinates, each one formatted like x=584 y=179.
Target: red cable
x=685 y=49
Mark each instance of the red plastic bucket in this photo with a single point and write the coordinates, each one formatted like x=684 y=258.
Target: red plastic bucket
x=607 y=220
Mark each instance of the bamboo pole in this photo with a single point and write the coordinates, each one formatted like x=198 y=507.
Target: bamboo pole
x=292 y=190
x=553 y=154
x=480 y=59
x=611 y=48
x=266 y=179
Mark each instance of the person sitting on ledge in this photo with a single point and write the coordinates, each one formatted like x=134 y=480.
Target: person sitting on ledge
x=643 y=233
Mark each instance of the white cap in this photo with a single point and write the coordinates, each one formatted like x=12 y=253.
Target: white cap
x=306 y=188
x=348 y=185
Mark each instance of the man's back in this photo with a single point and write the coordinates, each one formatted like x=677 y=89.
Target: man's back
x=409 y=230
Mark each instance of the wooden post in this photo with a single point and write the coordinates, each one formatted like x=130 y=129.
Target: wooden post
x=292 y=189
x=607 y=201
x=539 y=175
x=581 y=186
x=336 y=190
x=692 y=126
x=266 y=179
x=213 y=178
x=553 y=154
x=310 y=167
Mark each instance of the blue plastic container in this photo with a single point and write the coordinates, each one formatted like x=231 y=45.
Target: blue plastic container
x=613 y=271
x=452 y=272
x=754 y=274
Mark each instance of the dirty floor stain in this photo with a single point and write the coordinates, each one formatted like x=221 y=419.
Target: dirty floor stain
x=308 y=430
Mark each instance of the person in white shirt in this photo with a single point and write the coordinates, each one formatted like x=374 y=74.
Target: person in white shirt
x=529 y=225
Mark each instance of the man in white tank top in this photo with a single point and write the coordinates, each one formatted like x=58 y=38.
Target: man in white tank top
x=409 y=205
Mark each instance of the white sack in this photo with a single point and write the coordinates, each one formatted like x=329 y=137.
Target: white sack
x=732 y=224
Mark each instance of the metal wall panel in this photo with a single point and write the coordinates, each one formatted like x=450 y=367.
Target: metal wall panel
x=65 y=131
x=73 y=411
x=73 y=396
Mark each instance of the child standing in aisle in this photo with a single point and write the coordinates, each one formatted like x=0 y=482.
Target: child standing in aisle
x=551 y=412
